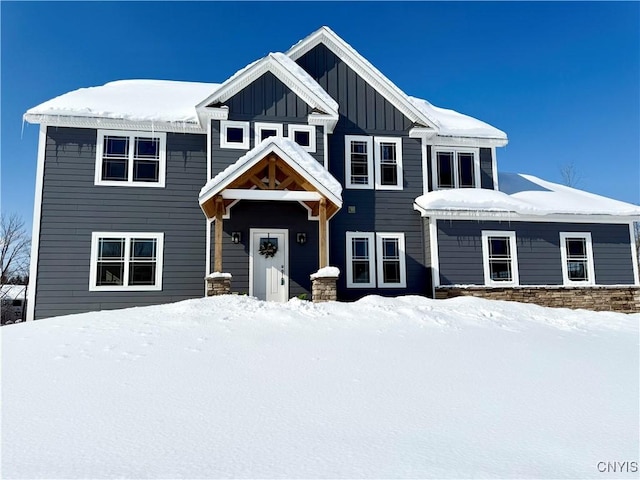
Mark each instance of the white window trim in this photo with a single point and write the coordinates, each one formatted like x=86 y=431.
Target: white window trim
x=259 y=126
x=378 y=162
x=311 y=129
x=224 y=124
x=563 y=254
x=127 y=236
x=131 y=134
x=347 y=157
x=380 y=236
x=349 y=239
x=514 y=258
x=455 y=150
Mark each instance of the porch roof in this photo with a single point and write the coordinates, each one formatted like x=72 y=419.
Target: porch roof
x=291 y=153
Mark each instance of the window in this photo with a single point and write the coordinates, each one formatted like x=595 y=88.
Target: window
x=387 y=254
x=303 y=135
x=500 y=258
x=359 y=161
x=362 y=152
x=456 y=168
x=126 y=261
x=266 y=130
x=234 y=135
x=130 y=158
x=388 y=158
x=391 y=264
x=577 y=258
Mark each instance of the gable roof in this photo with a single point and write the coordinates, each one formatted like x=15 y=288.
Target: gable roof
x=287 y=71
x=522 y=194
x=290 y=152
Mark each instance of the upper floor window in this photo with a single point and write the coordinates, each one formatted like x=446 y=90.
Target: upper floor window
x=373 y=161
x=455 y=168
x=304 y=135
x=234 y=135
x=126 y=261
x=500 y=258
x=577 y=258
x=263 y=131
x=130 y=158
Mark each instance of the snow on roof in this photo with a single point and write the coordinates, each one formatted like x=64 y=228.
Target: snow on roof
x=134 y=100
x=304 y=163
x=13 y=292
x=453 y=124
x=525 y=195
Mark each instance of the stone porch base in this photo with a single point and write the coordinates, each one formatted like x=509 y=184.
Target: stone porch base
x=599 y=298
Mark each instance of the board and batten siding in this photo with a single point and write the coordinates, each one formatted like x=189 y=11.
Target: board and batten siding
x=266 y=99
x=248 y=214
x=538 y=244
x=364 y=111
x=73 y=207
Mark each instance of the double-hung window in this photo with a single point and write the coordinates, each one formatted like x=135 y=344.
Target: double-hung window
x=126 y=261
x=375 y=259
x=373 y=162
x=455 y=168
x=500 y=258
x=131 y=158
x=576 y=251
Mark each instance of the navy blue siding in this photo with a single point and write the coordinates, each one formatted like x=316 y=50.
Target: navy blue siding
x=246 y=214
x=538 y=244
x=73 y=207
x=363 y=111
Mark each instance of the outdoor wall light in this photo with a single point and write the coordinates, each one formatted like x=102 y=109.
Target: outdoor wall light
x=236 y=237
x=301 y=238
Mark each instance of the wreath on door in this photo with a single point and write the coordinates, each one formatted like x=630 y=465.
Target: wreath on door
x=268 y=248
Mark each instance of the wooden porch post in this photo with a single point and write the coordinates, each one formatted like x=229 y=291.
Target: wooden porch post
x=322 y=230
x=218 y=235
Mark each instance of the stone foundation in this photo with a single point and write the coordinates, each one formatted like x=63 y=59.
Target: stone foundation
x=615 y=299
x=218 y=286
x=324 y=289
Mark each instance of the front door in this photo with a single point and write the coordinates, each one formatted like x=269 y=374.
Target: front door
x=269 y=264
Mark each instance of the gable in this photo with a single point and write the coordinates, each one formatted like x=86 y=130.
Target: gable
x=267 y=96
x=361 y=106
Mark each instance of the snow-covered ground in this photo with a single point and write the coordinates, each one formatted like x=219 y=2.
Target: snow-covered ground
x=386 y=388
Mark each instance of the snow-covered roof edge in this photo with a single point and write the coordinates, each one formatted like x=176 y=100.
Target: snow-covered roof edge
x=289 y=151
x=287 y=71
x=526 y=196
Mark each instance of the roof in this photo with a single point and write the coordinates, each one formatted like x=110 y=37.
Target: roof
x=178 y=106
x=289 y=151
x=135 y=100
x=522 y=194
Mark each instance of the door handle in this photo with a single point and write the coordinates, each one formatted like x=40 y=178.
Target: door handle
x=281 y=274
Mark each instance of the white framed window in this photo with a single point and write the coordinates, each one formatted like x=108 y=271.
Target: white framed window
x=390 y=257
x=388 y=160
x=455 y=167
x=263 y=131
x=234 y=134
x=376 y=259
x=126 y=261
x=303 y=135
x=358 y=155
x=576 y=251
x=128 y=158
x=360 y=260
x=500 y=259
x=373 y=162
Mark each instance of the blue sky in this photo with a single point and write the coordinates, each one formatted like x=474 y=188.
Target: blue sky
x=562 y=79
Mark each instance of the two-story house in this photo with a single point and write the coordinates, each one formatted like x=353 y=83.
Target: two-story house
x=300 y=160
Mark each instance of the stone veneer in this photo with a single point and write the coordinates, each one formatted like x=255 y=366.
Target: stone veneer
x=598 y=298
x=324 y=289
x=218 y=286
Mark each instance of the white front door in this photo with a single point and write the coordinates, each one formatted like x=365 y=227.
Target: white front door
x=269 y=264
